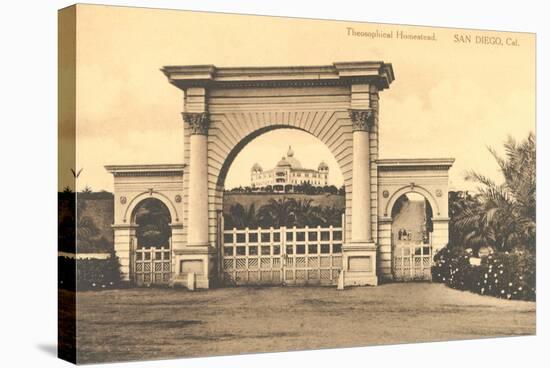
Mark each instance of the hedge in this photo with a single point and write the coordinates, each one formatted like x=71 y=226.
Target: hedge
x=88 y=274
x=503 y=275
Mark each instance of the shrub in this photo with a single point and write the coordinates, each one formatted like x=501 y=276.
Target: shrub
x=88 y=274
x=504 y=275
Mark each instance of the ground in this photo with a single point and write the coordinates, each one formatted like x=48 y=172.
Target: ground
x=137 y=324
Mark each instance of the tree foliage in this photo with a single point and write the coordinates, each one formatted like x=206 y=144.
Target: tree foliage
x=500 y=215
x=283 y=212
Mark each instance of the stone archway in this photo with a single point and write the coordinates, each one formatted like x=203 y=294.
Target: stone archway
x=411 y=236
x=152 y=242
x=397 y=177
x=133 y=184
x=226 y=107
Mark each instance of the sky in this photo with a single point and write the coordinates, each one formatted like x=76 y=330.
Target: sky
x=449 y=99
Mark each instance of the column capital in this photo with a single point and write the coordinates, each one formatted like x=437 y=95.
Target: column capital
x=197 y=121
x=362 y=119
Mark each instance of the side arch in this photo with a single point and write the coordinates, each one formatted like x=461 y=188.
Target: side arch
x=150 y=194
x=408 y=189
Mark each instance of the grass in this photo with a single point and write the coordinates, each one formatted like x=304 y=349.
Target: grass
x=137 y=324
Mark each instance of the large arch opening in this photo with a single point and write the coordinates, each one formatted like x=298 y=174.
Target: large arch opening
x=284 y=205
x=412 y=229
x=285 y=165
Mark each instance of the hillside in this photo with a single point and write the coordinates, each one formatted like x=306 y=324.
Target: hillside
x=259 y=199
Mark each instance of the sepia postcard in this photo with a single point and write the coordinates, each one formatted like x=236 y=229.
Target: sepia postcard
x=233 y=184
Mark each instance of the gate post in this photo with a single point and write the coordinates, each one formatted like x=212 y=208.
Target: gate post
x=195 y=259
x=440 y=235
x=124 y=235
x=359 y=256
x=385 y=249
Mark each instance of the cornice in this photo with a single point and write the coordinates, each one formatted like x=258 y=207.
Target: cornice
x=343 y=73
x=403 y=164
x=146 y=170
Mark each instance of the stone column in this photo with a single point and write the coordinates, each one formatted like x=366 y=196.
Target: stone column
x=197 y=220
x=361 y=231
x=194 y=263
x=359 y=254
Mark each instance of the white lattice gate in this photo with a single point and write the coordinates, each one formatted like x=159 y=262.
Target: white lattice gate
x=152 y=266
x=412 y=261
x=284 y=256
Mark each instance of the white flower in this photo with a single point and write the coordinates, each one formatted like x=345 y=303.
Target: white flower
x=502 y=291
x=509 y=284
x=520 y=288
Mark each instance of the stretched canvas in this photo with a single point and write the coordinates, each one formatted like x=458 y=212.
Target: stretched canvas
x=233 y=184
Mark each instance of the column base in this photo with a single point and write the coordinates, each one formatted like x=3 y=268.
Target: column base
x=194 y=266
x=359 y=264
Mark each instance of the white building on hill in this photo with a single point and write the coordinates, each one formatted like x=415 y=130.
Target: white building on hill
x=287 y=174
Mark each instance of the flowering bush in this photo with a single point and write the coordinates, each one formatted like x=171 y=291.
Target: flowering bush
x=504 y=275
x=88 y=274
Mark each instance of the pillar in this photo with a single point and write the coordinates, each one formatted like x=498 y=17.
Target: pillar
x=194 y=262
x=360 y=252
x=197 y=220
x=124 y=244
x=384 y=256
x=440 y=234
x=361 y=231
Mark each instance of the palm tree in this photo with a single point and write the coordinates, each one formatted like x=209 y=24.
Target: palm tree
x=240 y=217
x=305 y=214
x=277 y=213
x=331 y=216
x=505 y=214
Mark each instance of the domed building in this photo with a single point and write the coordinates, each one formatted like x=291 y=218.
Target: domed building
x=287 y=174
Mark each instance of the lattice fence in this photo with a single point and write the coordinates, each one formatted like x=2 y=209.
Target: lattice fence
x=282 y=256
x=412 y=261
x=152 y=266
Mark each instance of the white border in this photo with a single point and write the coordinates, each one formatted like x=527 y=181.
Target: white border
x=28 y=151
